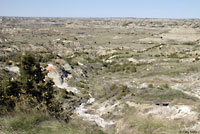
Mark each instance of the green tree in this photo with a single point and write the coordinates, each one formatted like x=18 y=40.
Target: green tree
x=31 y=86
x=32 y=79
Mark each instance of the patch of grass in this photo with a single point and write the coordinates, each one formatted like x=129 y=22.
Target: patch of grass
x=27 y=122
x=40 y=123
x=149 y=126
x=164 y=72
x=171 y=94
x=164 y=94
x=193 y=68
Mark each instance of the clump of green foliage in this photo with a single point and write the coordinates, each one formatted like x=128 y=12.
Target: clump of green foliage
x=31 y=88
x=116 y=91
x=173 y=55
x=150 y=86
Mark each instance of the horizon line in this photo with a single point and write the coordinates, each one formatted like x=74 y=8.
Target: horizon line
x=96 y=17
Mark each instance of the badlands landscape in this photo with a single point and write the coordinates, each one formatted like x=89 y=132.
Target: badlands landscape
x=110 y=75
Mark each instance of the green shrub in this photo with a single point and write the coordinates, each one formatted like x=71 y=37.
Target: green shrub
x=32 y=79
x=126 y=52
x=150 y=86
x=173 y=55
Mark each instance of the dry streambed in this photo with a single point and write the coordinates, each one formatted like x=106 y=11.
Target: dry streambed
x=57 y=77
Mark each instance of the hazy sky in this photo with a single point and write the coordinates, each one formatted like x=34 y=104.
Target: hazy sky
x=102 y=8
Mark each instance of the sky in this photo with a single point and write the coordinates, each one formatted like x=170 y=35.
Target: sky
x=101 y=8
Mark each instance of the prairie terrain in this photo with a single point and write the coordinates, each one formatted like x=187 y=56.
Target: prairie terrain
x=125 y=75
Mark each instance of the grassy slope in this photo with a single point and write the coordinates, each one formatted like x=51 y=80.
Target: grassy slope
x=42 y=124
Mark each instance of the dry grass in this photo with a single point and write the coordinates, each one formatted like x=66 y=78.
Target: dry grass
x=40 y=123
x=134 y=122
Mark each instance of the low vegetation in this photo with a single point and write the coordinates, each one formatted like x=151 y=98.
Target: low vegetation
x=41 y=123
x=125 y=67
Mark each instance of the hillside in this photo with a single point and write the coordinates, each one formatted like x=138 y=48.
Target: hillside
x=110 y=75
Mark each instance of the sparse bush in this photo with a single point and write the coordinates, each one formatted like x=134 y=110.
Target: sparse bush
x=116 y=91
x=173 y=55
